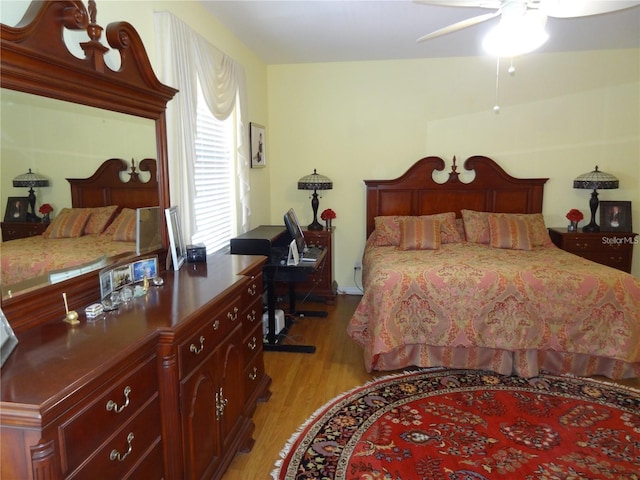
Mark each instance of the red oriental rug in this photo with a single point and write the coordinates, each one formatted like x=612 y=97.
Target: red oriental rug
x=471 y=425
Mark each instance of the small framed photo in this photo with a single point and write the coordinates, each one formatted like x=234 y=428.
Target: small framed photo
x=106 y=284
x=121 y=276
x=178 y=248
x=16 y=209
x=258 y=151
x=147 y=267
x=615 y=216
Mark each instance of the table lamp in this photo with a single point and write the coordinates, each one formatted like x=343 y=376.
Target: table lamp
x=31 y=180
x=315 y=182
x=596 y=180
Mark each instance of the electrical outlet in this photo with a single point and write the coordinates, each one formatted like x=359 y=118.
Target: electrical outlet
x=357 y=265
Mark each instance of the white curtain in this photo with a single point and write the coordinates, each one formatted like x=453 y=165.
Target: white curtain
x=184 y=58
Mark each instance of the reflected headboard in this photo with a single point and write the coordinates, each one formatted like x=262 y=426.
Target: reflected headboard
x=106 y=187
x=416 y=192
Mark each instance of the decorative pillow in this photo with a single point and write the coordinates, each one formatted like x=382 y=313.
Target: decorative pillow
x=123 y=228
x=99 y=219
x=476 y=226
x=69 y=223
x=387 y=228
x=419 y=233
x=460 y=228
x=509 y=232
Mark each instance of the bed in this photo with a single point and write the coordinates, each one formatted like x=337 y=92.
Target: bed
x=464 y=275
x=99 y=225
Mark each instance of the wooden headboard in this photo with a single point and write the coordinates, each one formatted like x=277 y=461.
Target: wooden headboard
x=105 y=186
x=416 y=193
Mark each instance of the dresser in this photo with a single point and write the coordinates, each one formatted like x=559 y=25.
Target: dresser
x=14 y=230
x=614 y=249
x=164 y=387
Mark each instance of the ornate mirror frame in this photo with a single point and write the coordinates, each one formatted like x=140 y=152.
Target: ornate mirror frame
x=34 y=59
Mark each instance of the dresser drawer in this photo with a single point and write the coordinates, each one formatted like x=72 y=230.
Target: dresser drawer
x=127 y=448
x=83 y=433
x=582 y=243
x=614 y=258
x=205 y=340
x=252 y=343
x=253 y=290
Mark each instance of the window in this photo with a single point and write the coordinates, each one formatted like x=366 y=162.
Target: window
x=214 y=179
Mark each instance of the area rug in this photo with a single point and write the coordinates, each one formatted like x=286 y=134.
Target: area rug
x=471 y=425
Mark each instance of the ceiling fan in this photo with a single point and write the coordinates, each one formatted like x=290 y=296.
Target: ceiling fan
x=522 y=19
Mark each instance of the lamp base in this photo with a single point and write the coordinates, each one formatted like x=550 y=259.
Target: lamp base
x=592 y=227
x=315 y=225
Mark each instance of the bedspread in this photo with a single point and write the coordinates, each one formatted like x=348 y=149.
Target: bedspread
x=31 y=257
x=470 y=305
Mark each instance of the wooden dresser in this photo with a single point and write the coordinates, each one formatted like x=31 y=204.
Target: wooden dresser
x=14 y=230
x=614 y=249
x=162 y=388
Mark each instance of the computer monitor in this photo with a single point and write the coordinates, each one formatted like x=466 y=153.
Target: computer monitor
x=295 y=230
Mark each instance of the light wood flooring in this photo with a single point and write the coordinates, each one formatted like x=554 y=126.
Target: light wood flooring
x=302 y=383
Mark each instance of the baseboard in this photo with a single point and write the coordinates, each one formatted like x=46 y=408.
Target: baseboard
x=350 y=291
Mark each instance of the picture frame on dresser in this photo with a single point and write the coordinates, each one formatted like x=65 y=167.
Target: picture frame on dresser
x=615 y=216
x=16 y=210
x=177 y=245
x=8 y=339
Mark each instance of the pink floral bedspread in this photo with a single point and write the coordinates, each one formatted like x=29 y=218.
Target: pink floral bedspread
x=28 y=258
x=468 y=305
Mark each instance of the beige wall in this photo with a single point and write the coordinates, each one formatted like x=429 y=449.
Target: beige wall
x=561 y=114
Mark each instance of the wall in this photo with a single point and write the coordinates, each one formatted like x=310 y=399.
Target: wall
x=561 y=115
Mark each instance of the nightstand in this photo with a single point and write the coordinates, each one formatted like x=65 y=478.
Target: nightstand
x=614 y=249
x=14 y=230
x=319 y=283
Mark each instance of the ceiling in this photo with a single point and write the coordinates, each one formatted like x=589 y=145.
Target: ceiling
x=305 y=31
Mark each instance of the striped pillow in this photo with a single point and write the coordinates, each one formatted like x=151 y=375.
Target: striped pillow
x=99 y=219
x=419 y=233
x=68 y=224
x=509 y=232
x=123 y=228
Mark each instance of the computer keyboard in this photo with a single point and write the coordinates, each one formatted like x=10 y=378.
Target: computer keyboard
x=311 y=254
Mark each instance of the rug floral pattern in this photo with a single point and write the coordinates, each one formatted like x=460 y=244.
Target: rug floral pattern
x=468 y=425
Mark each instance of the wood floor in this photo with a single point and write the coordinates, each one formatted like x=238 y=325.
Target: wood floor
x=302 y=383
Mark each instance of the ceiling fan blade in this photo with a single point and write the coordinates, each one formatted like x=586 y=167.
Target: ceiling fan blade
x=463 y=3
x=565 y=9
x=459 y=26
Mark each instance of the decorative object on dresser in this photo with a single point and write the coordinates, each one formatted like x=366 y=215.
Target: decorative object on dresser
x=615 y=216
x=596 y=180
x=258 y=149
x=17 y=209
x=328 y=216
x=614 y=249
x=574 y=216
x=178 y=249
x=315 y=182
x=46 y=209
x=31 y=179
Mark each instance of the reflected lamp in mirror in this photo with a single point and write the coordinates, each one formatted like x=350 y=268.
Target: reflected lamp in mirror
x=315 y=182
x=30 y=180
x=596 y=180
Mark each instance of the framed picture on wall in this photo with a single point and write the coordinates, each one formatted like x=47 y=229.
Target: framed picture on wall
x=615 y=216
x=16 y=209
x=258 y=151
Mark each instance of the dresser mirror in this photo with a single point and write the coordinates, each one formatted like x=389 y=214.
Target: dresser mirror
x=103 y=113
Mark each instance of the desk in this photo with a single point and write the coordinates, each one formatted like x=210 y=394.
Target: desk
x=273 y=241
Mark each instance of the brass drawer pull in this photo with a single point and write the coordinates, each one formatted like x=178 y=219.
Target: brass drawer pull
x=233 y=316
x=582 y=246
x=254 y=374
x=252 y=316
x=252 y=289
x=115 y=455
x=197 y=350
x=216 y=325
x=221 y=404
x=253 y=343
x=111 y=405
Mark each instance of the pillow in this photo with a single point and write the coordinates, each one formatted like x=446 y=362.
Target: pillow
x=508 y=232
x=476 y=227
x=99 y=218
x=69 y=223
x=419 y=233
x=123 y=228
x=387 y=228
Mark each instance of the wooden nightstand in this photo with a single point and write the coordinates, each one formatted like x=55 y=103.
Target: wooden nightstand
x=319 y=283
x=614 y=249
x=14 y=230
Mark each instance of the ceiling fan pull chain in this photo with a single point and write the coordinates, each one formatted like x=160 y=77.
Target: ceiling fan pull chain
x=496 y=107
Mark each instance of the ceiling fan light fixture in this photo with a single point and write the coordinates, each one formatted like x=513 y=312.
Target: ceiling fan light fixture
x=515 y=36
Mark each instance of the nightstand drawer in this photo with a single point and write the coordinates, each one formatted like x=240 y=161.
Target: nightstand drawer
x=576 y=244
